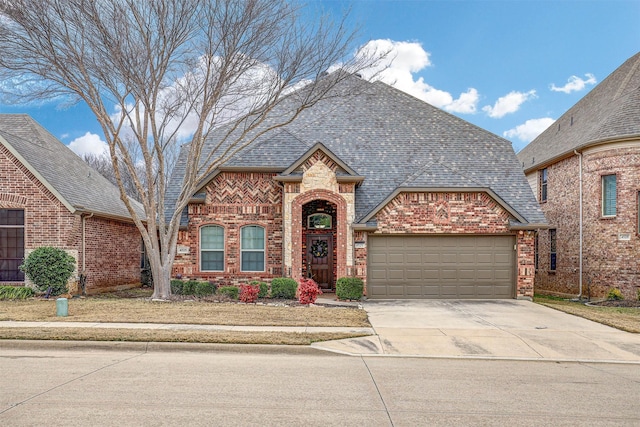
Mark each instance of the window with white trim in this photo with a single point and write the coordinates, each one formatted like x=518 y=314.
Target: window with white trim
x=252 y=241
x=609 y=195
x=211 y=248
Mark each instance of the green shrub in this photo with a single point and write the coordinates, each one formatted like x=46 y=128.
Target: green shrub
x=614 y=294
x=176 y=286
x=189 y=287
x=204 y=288
x=638 y=294
x=264 y=288
x=15 y=292
x=283 y=287
x=50 y=269
x=229 y=291
x=349 y=288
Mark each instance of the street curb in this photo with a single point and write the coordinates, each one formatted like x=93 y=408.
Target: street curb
x=150 y=346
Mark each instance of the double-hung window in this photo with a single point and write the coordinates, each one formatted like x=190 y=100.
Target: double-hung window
x=609 y=195
x=252 y=245
x=211 y=248
x=11 y=245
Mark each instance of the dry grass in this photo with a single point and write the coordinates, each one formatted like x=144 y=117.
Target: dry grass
x=148 y=335
x=624 y=318
x=113 y=310
x=134 y=306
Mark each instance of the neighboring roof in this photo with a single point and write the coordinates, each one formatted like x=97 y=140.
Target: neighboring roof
x=611 y=111
x=74 y=183
x=394 y=141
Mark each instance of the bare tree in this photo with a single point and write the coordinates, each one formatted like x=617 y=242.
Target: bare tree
x=102 y=164
x=153 y=70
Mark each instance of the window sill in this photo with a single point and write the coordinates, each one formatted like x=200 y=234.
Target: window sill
x=603 y=217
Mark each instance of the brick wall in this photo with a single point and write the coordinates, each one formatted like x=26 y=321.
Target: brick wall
x=113 y=248
x=608 y=260
x=113 y=251
x=451 y=213
x=234 y=200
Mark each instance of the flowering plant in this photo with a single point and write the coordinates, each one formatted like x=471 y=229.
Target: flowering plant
x=308 y=291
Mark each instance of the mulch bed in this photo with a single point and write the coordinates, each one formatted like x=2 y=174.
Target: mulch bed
x=617 y=303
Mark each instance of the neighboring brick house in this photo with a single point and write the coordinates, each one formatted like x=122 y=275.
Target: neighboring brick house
x=379 y=185
x=592 y=244
x=50 y=197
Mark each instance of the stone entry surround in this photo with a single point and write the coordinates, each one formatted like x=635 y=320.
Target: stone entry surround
x=319 y=182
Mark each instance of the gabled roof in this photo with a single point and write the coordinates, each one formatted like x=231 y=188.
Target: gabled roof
x=343 y=172
x=72 y=181
x=392 y=140
x=611 y=111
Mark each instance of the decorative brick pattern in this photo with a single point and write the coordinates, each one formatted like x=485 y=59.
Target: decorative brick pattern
x=233 y=201
x=608 y=260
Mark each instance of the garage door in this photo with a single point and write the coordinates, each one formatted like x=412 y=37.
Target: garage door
x=459 y=267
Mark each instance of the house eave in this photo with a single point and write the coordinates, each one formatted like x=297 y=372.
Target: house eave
x=579 y=148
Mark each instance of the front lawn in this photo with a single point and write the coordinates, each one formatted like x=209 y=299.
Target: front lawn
x=135 y=307
x=624 y=318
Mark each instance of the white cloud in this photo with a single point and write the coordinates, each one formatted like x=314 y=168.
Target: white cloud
x=529 y=130
x=575 y=84
x=89 y=143
x=397 y=69
x=510 y=103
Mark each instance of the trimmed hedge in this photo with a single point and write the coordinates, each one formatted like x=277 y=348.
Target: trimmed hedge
x=15 y=292
x=192 y=287
x=50 y=269
x=349 y=288
x=264 y=288
x=283 y=287
x=229 y=291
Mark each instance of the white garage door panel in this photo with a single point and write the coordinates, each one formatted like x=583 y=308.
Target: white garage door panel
x=441 y=266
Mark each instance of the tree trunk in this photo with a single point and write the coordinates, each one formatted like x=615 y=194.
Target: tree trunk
x=161 y=275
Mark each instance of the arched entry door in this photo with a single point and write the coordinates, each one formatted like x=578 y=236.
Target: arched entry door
x=319 y=242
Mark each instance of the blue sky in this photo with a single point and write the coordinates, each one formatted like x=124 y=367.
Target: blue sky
x=510 y=66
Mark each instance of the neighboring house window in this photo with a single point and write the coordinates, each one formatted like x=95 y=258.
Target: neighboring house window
x=211 y=248
x=11 y=244
x=609 y=195
x=543 y=185
x=552 y=250
x=252 y=248
x=535 y=251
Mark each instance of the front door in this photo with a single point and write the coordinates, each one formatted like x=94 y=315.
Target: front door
x=320 y=259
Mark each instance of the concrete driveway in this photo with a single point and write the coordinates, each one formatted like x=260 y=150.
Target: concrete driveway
x=495 y=329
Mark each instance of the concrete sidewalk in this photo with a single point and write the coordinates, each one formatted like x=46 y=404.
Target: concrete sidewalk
x=496 y=329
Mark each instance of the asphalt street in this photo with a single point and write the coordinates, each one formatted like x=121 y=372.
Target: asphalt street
x=121 y=386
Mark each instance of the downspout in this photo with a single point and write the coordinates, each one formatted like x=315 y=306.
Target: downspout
x=83 y=275
x=580 y=221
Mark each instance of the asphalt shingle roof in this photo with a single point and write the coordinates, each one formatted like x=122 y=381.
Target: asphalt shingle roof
x=611 y=110
x=394 y=140
x=74 y=180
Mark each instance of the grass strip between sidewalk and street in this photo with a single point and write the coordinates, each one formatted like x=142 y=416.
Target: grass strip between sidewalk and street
x=153 y=335
x=624 y=318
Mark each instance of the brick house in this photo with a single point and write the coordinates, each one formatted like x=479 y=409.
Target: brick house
x=585 y=171
x=50 y=197
x=379 y=185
